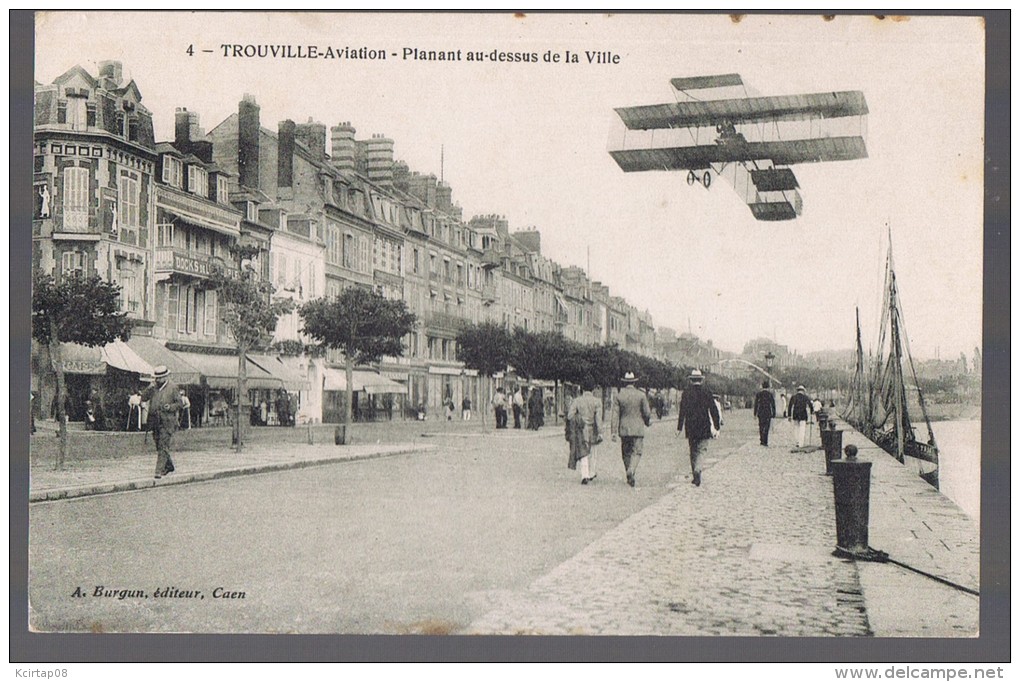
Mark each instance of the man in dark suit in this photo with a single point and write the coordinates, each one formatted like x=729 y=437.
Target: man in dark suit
x=165 y=405
x=631 y=414
x=764 y=409
x=800 y=411
x=699 y=414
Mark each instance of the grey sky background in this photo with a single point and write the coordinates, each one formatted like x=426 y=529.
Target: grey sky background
x=530 y=141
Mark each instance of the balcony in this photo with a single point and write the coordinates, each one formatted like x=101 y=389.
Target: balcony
x=173 y=261
x=446 y=322
x=491 y=258
x=489 y=294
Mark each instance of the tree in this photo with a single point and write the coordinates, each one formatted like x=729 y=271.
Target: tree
x=247 y=307
x=75 y=309
x=484 y=347
x=361 y=324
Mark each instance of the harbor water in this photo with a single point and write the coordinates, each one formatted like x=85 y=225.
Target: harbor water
x=960 y=463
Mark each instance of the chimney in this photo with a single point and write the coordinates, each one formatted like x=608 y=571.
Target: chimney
x=313 y=135
x=248 y=127
x=185 y=128
x=530 y=240
x=424 y=188
x=112 y=74
x=444 y=197
x=344 y=149
x=379 y=160
x=401 y=176
x=285 y=154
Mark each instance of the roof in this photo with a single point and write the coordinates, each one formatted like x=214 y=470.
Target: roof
x=744 y=110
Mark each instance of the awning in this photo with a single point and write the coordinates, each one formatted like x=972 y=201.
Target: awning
x=363 y=380
x=286 y=369
x=118 y=354
x=154 y=352
x=220 y=371
x=78 y=359
x=563 y=302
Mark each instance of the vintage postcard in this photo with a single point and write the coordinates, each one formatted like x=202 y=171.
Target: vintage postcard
x=655 y=325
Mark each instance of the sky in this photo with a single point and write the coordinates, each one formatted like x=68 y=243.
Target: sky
x=530 y=140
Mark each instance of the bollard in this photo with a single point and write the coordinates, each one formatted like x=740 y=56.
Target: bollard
x=833 y=441
x=340 y=435
x=823 y=418
x=851 y=488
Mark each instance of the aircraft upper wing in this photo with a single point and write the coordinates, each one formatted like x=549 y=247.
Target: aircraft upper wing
x=744 y=110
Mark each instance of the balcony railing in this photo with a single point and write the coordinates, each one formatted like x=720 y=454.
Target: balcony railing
x=446 y=321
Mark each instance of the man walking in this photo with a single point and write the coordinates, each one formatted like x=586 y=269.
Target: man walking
x=800 y=412
x=518 y=406
x=164 y=407
x=499 y=406
x=631 y=414
x=584 y=429
x=700 y=416
x=764 y=409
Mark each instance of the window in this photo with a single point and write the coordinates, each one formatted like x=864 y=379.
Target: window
x=252 y=212
x=76 y=113
x=132 y=129
x=130 y=287
x=281 y=270
x=209 y=324
x=172 y=304
x=165 y=234
x=72 y=261
x=127 y=207
x=414 y=260
x=222 y=190
x=334 y=248
x=182 y=309
x=76 y=199
x=350 y=248
x=173 y=171
x=364 y=254
x=198 y=181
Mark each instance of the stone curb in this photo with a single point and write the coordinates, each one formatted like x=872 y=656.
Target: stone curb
x=145 y=483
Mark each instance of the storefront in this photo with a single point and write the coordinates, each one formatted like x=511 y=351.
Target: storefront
x=100 y=378
x=375 y=397
x=281 y=406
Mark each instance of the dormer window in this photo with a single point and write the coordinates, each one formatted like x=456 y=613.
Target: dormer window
x=198 y=181
x=222 y=193
x=173 y=171
x=252 y=212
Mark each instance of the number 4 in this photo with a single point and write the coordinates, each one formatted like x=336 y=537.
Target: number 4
x=190 y=50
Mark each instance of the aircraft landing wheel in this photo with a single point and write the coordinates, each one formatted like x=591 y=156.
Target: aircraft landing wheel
x=691 y=178
x=706 y=180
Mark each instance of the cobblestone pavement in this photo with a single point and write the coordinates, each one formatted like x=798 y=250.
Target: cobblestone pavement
x=749 y=553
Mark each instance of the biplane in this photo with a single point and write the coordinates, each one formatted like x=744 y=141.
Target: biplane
x=715 y=128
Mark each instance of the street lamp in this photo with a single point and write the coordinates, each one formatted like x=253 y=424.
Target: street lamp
x=769 y=357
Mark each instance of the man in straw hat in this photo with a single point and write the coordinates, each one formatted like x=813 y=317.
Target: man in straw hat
x=800 y=412
x=699 y=414
x=631 y=414
x=165 y=405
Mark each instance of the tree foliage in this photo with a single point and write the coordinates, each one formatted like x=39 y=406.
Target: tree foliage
x=246 y=302
x=247 y=307
x=484 y=347
x=360 y=323
x=77 y=309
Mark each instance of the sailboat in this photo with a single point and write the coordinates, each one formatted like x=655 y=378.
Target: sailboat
x=880 y=399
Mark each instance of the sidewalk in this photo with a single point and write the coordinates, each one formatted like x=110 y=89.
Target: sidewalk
x=135 y=472
x=750 y=553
